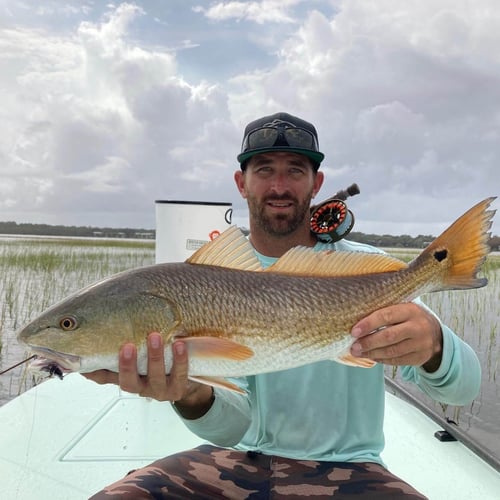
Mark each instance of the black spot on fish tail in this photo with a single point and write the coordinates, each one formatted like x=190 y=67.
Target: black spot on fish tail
x=440 y=255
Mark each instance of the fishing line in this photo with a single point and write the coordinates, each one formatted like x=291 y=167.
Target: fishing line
x=18 y=364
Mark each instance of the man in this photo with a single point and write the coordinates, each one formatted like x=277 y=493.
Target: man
x=314 y=430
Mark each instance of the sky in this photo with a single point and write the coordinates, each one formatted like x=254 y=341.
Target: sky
x=108 y=107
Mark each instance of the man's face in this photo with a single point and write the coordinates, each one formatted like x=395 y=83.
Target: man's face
x=279 y=187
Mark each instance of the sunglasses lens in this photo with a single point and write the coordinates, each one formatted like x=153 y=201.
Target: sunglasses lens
x=262 y=138
x=299 y=138
x=267 y=137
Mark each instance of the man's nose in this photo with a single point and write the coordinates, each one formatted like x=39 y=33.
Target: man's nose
x=279 y=183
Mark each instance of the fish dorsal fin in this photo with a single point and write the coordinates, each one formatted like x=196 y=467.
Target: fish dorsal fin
x=230 y=249
x=304 y=261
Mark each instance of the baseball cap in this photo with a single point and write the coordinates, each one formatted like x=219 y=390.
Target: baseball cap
x=280 y=132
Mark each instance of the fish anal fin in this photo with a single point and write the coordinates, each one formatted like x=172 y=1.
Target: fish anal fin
x=304 y=261
x=350 y=360
x=230 y=249
x=217 y=382
x=216 y=347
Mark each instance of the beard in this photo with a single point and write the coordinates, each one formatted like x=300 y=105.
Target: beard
x=279 y=224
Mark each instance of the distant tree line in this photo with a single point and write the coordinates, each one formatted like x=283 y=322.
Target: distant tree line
x=405 y=241
x=388 y=240
x=82 y=231
x=384 y=240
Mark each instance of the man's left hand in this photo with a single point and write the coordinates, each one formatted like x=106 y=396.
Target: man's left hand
x=402 y=334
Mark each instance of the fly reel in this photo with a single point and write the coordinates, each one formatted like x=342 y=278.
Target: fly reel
x=332 y=220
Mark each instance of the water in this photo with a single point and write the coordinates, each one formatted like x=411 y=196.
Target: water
x=35 y=273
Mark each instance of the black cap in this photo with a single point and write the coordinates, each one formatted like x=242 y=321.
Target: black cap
x=286 y=121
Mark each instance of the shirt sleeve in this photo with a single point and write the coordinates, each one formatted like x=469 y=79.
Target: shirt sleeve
x=227 y=420
x=457 y=380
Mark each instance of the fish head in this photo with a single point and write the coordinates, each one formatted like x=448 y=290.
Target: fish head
x=85 y=331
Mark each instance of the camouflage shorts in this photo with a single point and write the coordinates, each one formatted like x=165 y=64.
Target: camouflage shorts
x=209 y=472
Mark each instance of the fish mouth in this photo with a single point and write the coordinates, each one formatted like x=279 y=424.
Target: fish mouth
x=53 y=362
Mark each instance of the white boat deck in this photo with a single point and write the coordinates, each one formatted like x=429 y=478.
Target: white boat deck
x=66 y=440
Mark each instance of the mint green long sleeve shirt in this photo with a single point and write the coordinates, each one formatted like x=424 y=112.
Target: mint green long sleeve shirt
x=326 y=410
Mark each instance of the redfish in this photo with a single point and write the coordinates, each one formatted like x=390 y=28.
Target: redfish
x=238 y=319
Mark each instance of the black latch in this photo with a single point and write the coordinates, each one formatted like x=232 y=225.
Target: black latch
x=444 y=436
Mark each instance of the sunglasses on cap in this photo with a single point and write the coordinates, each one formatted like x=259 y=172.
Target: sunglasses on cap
x=281 y=134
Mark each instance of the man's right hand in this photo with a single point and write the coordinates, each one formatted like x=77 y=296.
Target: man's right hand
x=191 y=399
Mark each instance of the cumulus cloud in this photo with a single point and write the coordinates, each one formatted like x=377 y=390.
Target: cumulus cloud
x=98 y=119
x=265 y=11
x=102 y=116
x=404 y=106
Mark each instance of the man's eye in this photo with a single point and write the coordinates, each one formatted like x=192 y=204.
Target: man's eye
x=264 y=170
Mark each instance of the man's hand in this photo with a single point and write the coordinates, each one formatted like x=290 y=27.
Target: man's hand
x=403 y=334
x=192 y=399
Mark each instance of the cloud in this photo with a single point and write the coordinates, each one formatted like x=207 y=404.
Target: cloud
x=399 y=108
x=97 y=120
x=265 y=11
x=109 y=177
x=103 y=116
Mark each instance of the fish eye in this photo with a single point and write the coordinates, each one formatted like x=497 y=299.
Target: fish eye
x=68 y=323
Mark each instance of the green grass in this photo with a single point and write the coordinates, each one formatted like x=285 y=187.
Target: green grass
x=79 y=242
x=36 y=273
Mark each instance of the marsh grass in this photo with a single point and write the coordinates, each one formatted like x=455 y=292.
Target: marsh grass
x=36 y=273
x=475 y=316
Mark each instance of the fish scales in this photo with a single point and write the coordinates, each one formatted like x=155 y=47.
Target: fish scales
x=239 y=304
x=288 y=315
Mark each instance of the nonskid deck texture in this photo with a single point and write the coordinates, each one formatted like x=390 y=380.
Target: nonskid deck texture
x=66 y=440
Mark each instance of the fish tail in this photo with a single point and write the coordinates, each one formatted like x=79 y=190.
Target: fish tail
x=461 y=249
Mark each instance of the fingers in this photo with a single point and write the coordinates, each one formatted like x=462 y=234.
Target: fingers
x=179 y=373
x=128 y=376
x=156 y=384
x=381 y=318
x=161 y=386
x=156 y=376
x=390 y=345
x=404 y=334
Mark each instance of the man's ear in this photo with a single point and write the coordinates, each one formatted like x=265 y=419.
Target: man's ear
x=239 y=178
x=318 y=182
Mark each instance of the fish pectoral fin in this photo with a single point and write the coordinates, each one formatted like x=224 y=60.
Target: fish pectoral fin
x=350 y=360
x=216 y=347
x=218 y=382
